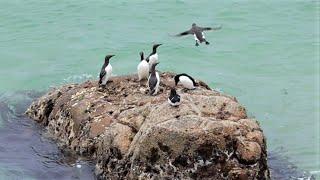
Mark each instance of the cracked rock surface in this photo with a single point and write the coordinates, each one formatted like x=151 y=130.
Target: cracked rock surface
x=131 y=135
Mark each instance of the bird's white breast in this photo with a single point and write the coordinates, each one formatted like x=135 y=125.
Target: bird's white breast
x=158 y=82
x=108 y=70
x=186 y=82
x=174 y=104
x=143 y=69
x=195 y=37
x=203 y=35
x=153 y=59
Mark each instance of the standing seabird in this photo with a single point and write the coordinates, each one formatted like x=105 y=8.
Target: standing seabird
x=186 y=81
x=174 y=98
x=198 y=34
x=153 y=57
x=153 y=80
x=106 y=71
x=143 y=68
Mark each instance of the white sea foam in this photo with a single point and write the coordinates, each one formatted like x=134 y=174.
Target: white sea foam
x=77 y=78
x=315 y=172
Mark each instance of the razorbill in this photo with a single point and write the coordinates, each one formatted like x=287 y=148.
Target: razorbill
x=198 y=34
x=174 y=98
x=186 y=81
x=106 y=71
x=153 y=57
x=143 y=68
x=153 y=80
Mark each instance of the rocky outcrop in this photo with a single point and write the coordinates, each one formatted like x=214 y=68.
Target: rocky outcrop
x=131 y=135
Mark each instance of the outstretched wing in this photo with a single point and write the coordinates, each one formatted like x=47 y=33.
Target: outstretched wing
x=210 y=28
x=184 y=33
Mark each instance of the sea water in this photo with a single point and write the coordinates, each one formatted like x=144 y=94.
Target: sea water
x=266 y=55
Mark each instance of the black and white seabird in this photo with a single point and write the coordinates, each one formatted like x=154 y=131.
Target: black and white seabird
x=186 y=81
x=143 y=68
x=153 y=57
x=174 y=98
x=153 y=80
x=198 y=34
x=106 y=71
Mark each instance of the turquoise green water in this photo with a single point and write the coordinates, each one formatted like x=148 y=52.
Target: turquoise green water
x=266 y=54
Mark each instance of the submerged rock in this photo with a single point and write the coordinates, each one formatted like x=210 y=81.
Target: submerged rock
x=131 y=135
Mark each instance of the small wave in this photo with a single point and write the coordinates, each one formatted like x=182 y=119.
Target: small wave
x=218 y=89
x=22 y=143
x=282 y=169
x=315 y=172
x=78 y=78
x=13 y=104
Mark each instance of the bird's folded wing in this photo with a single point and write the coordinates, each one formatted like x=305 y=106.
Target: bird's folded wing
x=102 y=73
x=152 y=82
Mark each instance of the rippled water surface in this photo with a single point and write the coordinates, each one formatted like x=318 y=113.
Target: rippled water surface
x=266 y=54
x=26 y=153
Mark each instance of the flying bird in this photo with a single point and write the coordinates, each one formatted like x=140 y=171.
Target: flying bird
x=198 y=33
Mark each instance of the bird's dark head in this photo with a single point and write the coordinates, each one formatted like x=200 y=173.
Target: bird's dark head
x=108 y=57
x=173 y=91
x=194 y=24
x=176 y=79
x=155 y=46
x=141 y=56
x=153 y=67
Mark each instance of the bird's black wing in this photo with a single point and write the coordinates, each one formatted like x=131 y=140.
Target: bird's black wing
x=210 y=28
x=206 y=28
x=102 y=74
x=184 y=33
x=147 y=59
